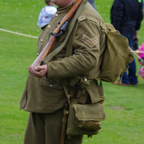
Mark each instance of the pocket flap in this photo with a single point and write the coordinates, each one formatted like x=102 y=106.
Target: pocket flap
x=89 y=112
x=50 y=83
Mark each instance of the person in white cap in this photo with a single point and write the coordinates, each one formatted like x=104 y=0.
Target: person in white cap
x=46 y=13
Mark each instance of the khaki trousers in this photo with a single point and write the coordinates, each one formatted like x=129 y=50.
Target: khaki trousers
x=46 y=129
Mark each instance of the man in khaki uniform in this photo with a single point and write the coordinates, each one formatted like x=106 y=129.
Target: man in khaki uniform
x=44 y=95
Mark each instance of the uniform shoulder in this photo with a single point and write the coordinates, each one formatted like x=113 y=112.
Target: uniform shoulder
x=90 y=13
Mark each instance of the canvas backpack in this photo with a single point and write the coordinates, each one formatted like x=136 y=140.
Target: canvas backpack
x=117 y=55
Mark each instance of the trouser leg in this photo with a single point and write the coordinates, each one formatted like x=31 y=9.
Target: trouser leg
x=46 y=129
x=43 y=128
x=132 y=73
x=54 y=128
x=74 y=140
x=53 y=125
x=35 y=133
x=131 y=77
x=125 y=78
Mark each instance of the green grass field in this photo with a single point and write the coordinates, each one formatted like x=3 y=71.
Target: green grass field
x=124 y=106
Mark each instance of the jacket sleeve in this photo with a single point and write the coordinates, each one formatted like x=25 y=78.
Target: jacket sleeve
x=117 y=13
x=86 y=53
x=140 y=16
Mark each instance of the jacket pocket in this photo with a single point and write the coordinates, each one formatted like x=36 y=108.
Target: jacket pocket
x=51 y=84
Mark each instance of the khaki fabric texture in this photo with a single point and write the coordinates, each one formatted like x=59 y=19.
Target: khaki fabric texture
x=88 y=112
x=46 y=95
x=46 y=129
x=116 y=56
x=85 y=61
x=86 y=115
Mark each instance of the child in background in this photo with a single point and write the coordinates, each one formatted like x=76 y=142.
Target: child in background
x=46 y=13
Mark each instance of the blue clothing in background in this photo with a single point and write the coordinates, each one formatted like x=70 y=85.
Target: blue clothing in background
x=131 y=76
x=126 y=15
x=92 y=3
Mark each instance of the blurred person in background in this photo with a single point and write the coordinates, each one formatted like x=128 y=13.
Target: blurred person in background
x=135 y=39
x=126 y=17
x=46 y=13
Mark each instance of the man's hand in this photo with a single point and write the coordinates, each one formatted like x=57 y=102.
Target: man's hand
x=38 y=71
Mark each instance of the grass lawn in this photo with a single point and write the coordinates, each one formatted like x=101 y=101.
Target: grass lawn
x=124 y=106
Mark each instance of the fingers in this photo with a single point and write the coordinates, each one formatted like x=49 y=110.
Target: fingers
x=39 y=68
x=38 y=71
x=33 y=71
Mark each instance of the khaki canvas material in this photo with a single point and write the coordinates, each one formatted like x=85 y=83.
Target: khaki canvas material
x=45 y=128
x=116 y=56
x=84 y=119
x=87 y=112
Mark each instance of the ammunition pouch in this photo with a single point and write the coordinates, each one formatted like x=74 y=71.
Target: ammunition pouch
x=85 y=119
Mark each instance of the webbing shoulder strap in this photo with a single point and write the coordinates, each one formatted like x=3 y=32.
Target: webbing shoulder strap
x=69 y=48
x=72 y=23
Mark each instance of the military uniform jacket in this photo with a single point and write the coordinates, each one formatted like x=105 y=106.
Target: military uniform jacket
x=88 y=41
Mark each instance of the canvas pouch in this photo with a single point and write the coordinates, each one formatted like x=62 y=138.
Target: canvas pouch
x=84 y=119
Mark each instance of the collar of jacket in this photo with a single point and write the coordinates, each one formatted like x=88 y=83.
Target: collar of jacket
x=64 y=10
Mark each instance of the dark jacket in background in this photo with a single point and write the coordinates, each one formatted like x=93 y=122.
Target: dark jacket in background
x=126 y=15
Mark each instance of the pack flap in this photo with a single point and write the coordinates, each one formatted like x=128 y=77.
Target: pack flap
x=109 y=27
x=89 y=112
